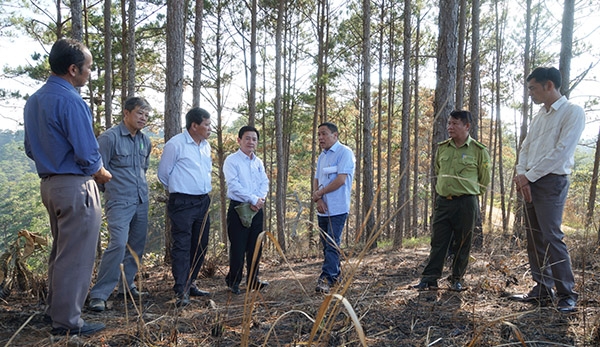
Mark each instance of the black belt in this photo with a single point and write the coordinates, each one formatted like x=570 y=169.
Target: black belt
x=457 y=197
x=182 y=195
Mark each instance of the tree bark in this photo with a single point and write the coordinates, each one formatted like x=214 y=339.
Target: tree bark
x=566 y=46
x=367 y=124
x=107 y=64
x=279 y=136
x=174 y=84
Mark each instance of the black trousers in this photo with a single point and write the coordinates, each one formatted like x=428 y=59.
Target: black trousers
x=190 y=224
x=242 y=243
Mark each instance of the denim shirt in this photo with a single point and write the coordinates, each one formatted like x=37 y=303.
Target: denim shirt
x=59 y=135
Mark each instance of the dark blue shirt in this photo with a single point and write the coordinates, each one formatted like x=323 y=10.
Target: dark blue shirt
x=127 y=158
x=59 y=135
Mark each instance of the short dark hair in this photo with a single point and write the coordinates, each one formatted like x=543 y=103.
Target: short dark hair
x=134 y=101
x=463 y=115
x=195 y=115
x=247 y=128
x=332 y=127
x=64 y=53
x=544 y=74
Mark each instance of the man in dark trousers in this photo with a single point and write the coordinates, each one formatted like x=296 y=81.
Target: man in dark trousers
x=463 y=173
x=247 y=187
x=545 y=161
x=185 y=171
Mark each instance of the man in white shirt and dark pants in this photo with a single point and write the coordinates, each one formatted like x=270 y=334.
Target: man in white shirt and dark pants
x=185 y=171
x=247 y=187
x=545 y=161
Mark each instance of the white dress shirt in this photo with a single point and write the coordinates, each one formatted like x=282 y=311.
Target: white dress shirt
x=185 y=166
x=549 y=147
x=246 y=178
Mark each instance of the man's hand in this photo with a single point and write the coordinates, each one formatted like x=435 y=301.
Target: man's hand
x=523 y=187
x=321 y=206
x=259 y=204
x=102 y=176
x=317 y=195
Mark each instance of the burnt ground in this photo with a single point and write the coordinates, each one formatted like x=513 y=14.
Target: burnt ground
x=390 y=313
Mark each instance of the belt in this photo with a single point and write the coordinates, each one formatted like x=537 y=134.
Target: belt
x=52 y=175
x=457 y=197
x=183 y=195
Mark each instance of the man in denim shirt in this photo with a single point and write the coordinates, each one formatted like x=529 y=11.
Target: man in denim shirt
x=59 y=137
x=126 y=153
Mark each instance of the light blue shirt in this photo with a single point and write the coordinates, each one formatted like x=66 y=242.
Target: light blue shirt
x=185 y=167
x=339 y=159
x=246 y=178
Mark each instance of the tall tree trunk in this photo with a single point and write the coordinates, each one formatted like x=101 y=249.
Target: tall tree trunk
x=443 y=102
x=518 y=229
x=460 y=65
x=197 y=78
x=253 y=67
x=367 y=126
x=415 y=196
x=107 y=64
x=589 y=216
x=76 y=20
x=131 y=49
x=320 y=113
x=382 y=12
x=390 y=117
x=403 y=193
x=219 y=10
x=474 y=107
x=124 y=57
x=281 y=193
x=566 y=46
x=174 y=83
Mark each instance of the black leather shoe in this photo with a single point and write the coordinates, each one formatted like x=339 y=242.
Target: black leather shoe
x=258 y=285
x=194 y=291
x=97 y=305
x=86 y=329
x=426 y=285
x=566 y=305
x=235 y=289
x=534 y=296
x=182 y=300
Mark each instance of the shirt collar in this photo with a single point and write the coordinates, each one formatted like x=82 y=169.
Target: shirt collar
x=333 y=148
x=467 y=142
x=558 y=103
x=244 y=155
x=189 y=139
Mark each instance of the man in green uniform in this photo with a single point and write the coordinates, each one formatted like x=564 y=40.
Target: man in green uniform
x=463 y=173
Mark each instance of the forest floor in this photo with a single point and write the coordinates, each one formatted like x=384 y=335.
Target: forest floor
x=389 y=311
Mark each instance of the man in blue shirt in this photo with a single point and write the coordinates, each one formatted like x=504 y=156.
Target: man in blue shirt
x=126 y=154
x=333 y=183
x=59 y=137
x=185 y=171
x=247 y=187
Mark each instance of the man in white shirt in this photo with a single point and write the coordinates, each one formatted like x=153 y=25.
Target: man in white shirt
x=247 y=187
x=545 y=161
x=185 y=171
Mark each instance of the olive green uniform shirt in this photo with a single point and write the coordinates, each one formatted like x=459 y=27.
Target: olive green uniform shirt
x=462 y=171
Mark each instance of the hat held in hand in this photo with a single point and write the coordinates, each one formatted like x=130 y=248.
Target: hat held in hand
x=246 y=214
